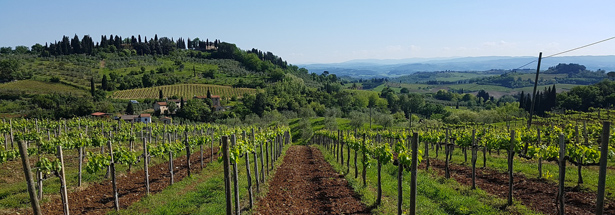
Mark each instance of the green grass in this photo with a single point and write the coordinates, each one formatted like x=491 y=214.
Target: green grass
x=39 y=87
x=435 y=195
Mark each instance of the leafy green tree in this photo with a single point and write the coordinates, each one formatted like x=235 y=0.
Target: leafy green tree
x=404 y=90
x=6 y=50
x=172 y=107
x=8 y=68
x=196 y=110
x=357 y=119
x=384 y=120
x=37 y=49
x=21 y=50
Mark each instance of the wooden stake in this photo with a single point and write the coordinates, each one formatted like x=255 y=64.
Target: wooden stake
x=562 y=175
x=63 y=181
x=413 y=169
x=145 y=165
x=23 y=150
x=112 y=168
x=606 y=128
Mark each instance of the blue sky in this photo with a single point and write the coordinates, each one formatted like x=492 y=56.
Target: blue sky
x=330 y=31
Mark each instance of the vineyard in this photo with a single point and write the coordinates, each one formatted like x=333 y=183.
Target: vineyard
x=111 y=165
x=562 y=164
x=543 y=182
x=182 y=90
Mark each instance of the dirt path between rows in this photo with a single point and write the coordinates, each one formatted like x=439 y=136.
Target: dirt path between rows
x=98 y=198
x=306 y=184
x=536 y=194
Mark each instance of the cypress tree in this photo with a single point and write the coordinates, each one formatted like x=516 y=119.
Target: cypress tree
x=105 y=84
x=130 y=110
x=92 y=87
x=208 y=94
x=528 y=102
x=553 y=100
x=160 y=96
x=522 y=100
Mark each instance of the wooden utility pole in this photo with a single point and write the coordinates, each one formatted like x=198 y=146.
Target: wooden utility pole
x=529 y=121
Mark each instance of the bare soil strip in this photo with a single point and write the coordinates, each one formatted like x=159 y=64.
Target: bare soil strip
x=306 y=184
x=98 y=198
x=536 y=194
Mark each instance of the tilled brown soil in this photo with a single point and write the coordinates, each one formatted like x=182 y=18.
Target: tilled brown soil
x=536 y=194
x=306 y=184
x=98 y=198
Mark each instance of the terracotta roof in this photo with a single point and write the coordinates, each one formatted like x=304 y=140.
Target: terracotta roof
x=215 y=97
x=200 y=97
x=145 y=115
x=98 y=114
x=162 y=103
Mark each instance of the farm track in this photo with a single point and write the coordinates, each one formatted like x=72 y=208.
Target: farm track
x=306 y=184
x=536 y=194
x=98 y=198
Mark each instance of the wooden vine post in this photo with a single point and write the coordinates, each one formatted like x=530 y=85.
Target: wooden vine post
x=23 y=150
x=212 y=146
x=347 y=157
x=447 y=174
x=511 y=153
x=112 y=168
x=145 y=166
x=227 y=175
x=249 y=174
x=262 y=162
x=341 y=138
x=364 y=160
x=255 y=154
x=413 y=169
x=356 y=169
x=539 y=158
x=63 y=181
x=474 y=156
x=562 y=175
x=187 y=153
x=426 y=156
x=235 y=178
x=267 y=156
x=400 y=171
x=606 y=128
x=80 y=160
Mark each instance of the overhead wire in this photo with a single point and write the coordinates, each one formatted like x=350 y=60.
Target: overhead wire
x=570 y=50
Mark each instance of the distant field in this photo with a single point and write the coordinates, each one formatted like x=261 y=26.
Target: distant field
x=496 y=91
x=39 y=87
x=456 y=76
x=182 y=90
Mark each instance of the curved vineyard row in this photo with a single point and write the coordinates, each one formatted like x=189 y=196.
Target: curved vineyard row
x=182 y=90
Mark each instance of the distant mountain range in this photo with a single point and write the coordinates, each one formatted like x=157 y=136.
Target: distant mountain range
x=369 y=68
